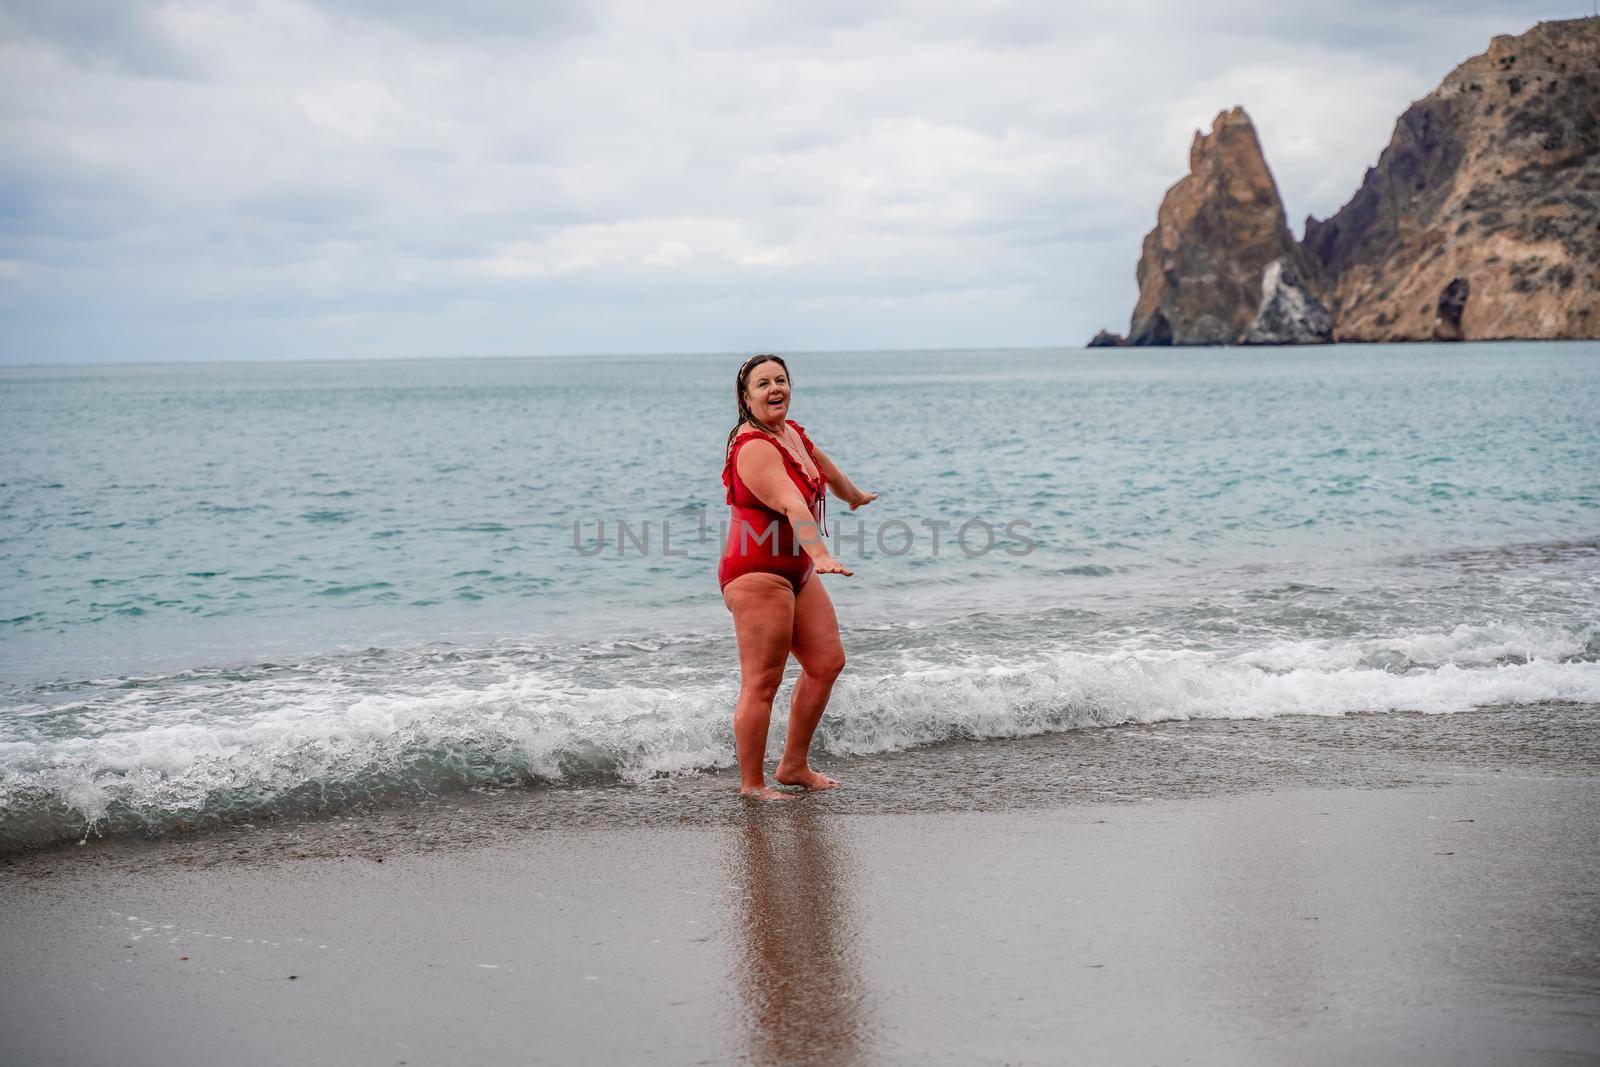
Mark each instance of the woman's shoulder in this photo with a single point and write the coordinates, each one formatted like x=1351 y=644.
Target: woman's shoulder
x=745 y=432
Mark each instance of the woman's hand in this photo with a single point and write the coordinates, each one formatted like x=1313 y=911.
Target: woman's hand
x=829 y=565
x=862 y=500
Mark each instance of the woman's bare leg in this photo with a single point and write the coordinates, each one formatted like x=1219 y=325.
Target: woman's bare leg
x=763 y=620
x=816 y=645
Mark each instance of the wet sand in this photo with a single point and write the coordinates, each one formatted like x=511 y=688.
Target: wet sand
x=1329 y=900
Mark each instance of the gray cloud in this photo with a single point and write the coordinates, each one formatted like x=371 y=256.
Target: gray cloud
x=212 y=180
x=473 y=19
x=92 y=32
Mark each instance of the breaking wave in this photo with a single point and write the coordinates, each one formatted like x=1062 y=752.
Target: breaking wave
x=152 y=754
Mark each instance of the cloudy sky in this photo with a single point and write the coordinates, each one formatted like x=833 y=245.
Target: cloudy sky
x=306 y=179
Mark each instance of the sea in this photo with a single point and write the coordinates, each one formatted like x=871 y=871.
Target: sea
x=235 y=591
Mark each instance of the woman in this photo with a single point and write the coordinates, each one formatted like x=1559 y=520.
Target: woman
x=776 y=481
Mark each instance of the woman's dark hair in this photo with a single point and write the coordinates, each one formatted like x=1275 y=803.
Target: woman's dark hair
x=745 y=414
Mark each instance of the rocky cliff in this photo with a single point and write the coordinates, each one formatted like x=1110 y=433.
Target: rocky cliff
x=1218 y=231
x=1480 y=220
x=1487 y=197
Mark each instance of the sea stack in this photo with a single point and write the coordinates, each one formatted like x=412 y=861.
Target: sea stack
x=1218 y=230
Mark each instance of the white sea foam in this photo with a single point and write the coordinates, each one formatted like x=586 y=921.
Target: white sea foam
x=162 y=753
x=1463 y=646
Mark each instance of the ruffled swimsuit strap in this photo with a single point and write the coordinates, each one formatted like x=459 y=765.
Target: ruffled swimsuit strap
x=820 y=484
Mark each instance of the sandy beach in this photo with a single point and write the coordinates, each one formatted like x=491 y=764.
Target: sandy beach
x=1315 y=897
x=437 y=436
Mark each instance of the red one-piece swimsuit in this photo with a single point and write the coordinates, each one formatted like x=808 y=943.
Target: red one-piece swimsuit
x=759 y=538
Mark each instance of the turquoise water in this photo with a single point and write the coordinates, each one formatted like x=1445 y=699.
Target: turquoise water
x=233 y=588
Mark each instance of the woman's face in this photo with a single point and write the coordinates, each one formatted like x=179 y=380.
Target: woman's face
x=767 y=392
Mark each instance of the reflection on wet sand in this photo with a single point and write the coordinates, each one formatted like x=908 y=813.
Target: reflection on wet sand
x=799 y=976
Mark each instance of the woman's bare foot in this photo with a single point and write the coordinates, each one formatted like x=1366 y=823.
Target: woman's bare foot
x=764 y=792
x=805 y=778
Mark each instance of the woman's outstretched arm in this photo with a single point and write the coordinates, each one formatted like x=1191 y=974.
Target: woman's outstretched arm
x=762 y=470
x=839 y=482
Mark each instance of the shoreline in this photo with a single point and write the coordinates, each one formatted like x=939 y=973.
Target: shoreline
x=1123 y=763
x=1378 y=887
x=1443 y=924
